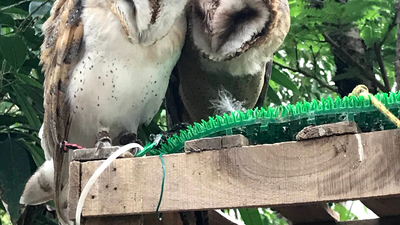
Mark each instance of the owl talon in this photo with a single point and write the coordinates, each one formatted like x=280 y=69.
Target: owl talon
x=104 y=141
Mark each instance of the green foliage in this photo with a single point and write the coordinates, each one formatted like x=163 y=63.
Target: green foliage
x=304 y=69
x=21 y=100
x=12 y=176
x=251 y=216
x=345 y=214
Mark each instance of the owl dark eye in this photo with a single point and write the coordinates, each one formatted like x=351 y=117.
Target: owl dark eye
x=245 y=14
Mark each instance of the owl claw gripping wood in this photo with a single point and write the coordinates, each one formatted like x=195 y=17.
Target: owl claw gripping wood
x=107 y=64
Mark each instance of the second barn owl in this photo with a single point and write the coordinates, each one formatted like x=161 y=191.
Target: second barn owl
x=227 y=56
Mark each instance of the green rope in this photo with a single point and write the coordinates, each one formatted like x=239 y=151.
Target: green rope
x=159 y=215
x=149 y=146
x=143 y=152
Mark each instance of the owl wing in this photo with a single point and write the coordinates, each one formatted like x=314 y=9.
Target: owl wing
x=264 y=90
x=63 y=35
x=173 y=102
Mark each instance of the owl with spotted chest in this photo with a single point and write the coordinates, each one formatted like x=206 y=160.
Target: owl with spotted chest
x=107 y=65
x=226 y=61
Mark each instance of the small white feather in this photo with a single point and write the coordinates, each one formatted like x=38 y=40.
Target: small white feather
x=226 y=103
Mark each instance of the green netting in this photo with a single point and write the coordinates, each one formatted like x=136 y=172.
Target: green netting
x=282 y=123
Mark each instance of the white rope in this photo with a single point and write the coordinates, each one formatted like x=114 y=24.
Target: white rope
x=96 y=175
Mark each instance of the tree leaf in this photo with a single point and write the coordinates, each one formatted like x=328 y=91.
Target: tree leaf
x=13 y=50
x=25 y=106
x=14 y=172
x=43 y=10
x=6 y=20
x=251 y=216
x=271 y=94
x=284 y=80
x=8 y=120
x=36 y=152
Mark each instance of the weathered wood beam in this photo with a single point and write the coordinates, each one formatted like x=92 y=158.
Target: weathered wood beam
x=380 y=221
x=384 y=207
x=317 y=212
x=330 y=169
x=173 y=218
x=310 y=213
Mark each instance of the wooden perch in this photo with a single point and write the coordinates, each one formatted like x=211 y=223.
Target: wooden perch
x=291 y=174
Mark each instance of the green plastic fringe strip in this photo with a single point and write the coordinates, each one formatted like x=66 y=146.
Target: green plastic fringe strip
x=282 y=123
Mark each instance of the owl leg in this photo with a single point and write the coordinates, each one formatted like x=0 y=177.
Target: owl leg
x=103 y=140
x=127 y=138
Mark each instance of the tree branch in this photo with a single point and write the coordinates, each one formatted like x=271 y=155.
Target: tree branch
x=29 y=15
x=13 y=5
x=377 y=49
x=390 y=28
x=366 y=73
x=397 y=63
x=306 y=74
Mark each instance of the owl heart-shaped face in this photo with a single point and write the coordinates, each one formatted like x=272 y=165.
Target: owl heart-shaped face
x=223 y=29
x=145 y=21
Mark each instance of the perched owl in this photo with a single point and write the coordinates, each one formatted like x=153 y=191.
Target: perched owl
x=226 y=61
x=107 y=65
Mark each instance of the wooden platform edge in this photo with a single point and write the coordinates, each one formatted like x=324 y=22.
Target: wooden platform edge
x=174 y=217
x=321 y=170
x=74 y=187
x=384 y=207
x=380 y=221
x=310 y=213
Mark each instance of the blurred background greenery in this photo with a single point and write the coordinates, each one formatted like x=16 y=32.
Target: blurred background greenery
x=332 y=46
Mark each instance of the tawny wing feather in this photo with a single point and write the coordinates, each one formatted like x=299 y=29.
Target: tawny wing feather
x=61 y=48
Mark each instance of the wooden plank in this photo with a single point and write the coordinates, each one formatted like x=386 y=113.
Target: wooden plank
x=90 y=154
x=327 y=130
x=74 y=187
x=216 y=143
x=148 y=219
x=116 y=220
x=311 y=213
x=380 y=221
x=384 y=207
x=320 y=170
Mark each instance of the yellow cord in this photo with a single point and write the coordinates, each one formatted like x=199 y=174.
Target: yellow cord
x=362 y=90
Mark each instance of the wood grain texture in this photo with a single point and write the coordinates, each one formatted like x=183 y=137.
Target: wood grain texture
x=380 y=221
x=215 y=143
x=149 y=219
x=74 y=187
x=384 y=207
x=90 y=154
x=311 y=213
x=320 y=170
x=327 y=130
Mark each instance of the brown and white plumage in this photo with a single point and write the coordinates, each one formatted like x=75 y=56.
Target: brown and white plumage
x=107 y=65
x=226 y=61
x=62 y=44
x=228 y=49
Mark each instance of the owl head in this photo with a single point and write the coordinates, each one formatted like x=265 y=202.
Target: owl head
x=224 y=29
x=146 y=21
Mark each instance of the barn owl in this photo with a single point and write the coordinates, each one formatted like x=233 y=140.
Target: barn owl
x=107 y=65
x=226 y=61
